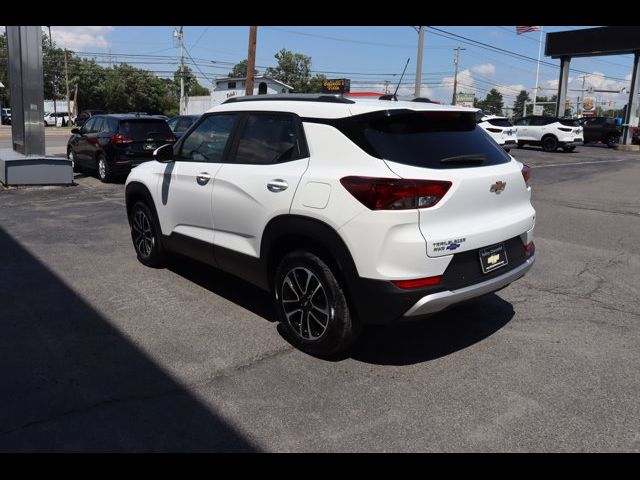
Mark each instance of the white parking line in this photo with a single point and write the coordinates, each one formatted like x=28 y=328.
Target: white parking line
x=581 y=163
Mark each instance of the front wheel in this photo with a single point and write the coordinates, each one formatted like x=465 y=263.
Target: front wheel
x=312 y=307
x=145 y=234
x=549 y=144
x=74 y=162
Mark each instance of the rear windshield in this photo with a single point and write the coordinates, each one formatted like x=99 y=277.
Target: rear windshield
x=424 y=139
x=568 y=122
x=143 y=129
x=500 y=122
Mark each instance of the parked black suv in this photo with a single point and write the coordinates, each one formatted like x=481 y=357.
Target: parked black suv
x=112 y=144
x=86 y=115
x=601 y=129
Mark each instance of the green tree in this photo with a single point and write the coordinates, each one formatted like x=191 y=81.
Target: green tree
x=295 y=69
x=191 y=86
x=518 y=105
x=493 y=103
x=240 y=70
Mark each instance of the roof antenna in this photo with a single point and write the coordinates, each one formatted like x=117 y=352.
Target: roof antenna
x=394 y=96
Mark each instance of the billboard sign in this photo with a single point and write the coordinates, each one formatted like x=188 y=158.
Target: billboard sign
x=589 y=107
x=464 y=99
x=538 y=109
x=336 y=85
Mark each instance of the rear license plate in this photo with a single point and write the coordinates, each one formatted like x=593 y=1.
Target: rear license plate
x=493 y=257
x=149 y=146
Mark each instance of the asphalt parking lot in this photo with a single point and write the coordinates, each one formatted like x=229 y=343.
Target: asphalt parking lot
x=100 y=353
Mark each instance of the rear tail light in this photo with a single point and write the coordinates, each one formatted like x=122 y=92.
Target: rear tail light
x=526 y=173
x=170 y=138
x=635 y=131
x=494 y=130
x=418 y=282
x=121 y=139
x=529 y=248
x=564 y=129
x=395 y=193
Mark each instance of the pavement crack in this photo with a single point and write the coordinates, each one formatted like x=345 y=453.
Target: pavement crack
x=178 y=389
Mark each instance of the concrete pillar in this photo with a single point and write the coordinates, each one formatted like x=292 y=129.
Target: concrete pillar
x=27 y=90
x=632 y=114
x=563 y=85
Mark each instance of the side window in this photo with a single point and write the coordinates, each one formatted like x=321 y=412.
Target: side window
x=207 y=142
x=112 y=125
x=88 y=125
x=97 y=126
x=522 y=122
x=538 y=121
x=183 y=124
x=172 y=124
x=267 y=139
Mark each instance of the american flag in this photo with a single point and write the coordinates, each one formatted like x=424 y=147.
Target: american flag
x=520 y=30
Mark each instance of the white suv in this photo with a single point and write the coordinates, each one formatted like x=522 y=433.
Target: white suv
x=549 y=132
x=501 y=130
x=348 y=211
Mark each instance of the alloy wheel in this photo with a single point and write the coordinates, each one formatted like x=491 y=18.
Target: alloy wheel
x=305 y=303
x=143 y=238
x=102 y=168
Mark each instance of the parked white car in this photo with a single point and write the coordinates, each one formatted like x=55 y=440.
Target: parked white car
x=501 y=130
x=348 y=211
x=59 y=119
x=549 y=132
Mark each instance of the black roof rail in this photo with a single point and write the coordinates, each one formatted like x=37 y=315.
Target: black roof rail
x=295 y=97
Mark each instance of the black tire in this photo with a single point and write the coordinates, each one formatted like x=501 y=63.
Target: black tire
x=74 y=161
x=319 y=323
x=104 y=169
x=507 y=150
x=550 y=144
x=521 y=144
x=612 y=140
x=145 y=235
x=569 y=149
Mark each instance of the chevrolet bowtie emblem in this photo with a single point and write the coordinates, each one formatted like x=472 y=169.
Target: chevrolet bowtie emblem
x=493 y=259
x=498 y=187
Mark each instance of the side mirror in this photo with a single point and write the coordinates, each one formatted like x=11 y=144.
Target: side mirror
x=75 y=131
x=163 y=154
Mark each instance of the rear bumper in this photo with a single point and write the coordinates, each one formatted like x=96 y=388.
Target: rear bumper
x=571 y=143
x=436 y=302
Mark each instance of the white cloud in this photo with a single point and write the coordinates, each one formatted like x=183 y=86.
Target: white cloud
x=484 y=68
x=79 y=38
x=466 y=84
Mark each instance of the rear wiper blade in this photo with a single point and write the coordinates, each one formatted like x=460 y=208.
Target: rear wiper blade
x=470 y=159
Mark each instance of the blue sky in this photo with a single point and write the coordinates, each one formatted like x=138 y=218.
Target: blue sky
x=366 y=55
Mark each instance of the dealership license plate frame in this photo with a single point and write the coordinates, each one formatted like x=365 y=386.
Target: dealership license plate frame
x=484 y=254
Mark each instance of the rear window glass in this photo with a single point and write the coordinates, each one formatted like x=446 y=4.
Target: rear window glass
x=143 y=129
x=500 y=122
x=424 y=139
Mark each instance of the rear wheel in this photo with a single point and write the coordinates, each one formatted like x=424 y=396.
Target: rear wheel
x=549 y=144
x=145 y=234
x=521 y=144
x=104 y=170
x=507 y=150
x=613 y=140
x=312 y=307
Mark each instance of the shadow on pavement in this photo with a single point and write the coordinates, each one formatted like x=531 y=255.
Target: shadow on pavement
x=225 y=285
x=440 y=335
x=70 y=381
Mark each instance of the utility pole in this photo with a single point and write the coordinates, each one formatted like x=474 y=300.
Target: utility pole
x=417 y=91
x=55 y=110
x=66 y=78
x=179 y=34
x=455 y=77
x=251 y=60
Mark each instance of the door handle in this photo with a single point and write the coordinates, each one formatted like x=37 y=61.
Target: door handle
x=203 y=178
x=277 y=185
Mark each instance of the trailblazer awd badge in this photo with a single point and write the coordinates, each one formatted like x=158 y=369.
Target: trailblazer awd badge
x=498 y=187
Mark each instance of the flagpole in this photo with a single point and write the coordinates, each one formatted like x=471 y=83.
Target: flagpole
x=535 y=92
